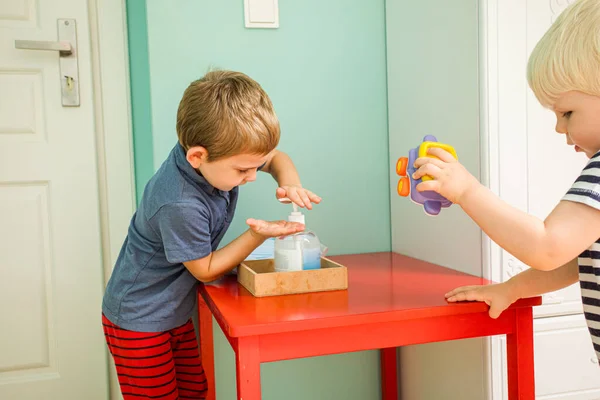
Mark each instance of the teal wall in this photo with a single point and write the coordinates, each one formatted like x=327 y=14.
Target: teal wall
x=324 y=69
x=143 y=149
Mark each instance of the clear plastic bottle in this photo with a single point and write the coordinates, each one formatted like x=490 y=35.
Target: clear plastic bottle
x=300 y=251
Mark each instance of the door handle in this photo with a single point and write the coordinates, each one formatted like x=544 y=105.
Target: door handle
x=64 y=48
x=68 y=62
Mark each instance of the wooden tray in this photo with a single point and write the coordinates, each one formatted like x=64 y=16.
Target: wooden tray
x=260 y=279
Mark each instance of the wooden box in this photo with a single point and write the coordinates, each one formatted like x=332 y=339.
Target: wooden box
x=260 y=278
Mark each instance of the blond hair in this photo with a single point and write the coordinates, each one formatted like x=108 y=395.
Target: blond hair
x=568 y=55
x=227 y=113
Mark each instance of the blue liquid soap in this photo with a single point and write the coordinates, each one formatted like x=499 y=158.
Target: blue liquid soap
x=300 y=251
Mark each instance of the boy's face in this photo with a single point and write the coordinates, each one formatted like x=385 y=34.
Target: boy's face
x=578 y=117
x=226 y=173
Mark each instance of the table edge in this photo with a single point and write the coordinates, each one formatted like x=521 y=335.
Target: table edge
x=464 y=308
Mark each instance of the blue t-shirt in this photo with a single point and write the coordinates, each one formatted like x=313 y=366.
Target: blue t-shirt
x=181 y=217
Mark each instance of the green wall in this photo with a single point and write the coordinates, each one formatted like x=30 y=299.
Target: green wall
x=324 y=69
x=143 y=149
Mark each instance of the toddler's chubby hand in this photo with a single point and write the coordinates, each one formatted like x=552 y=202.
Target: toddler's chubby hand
x=298 y=195
x=497 y=296
x=450 y=178
x=267 y=229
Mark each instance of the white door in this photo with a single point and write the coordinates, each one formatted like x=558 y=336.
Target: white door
x=553 y=167
x=51 y=282
x=532 y=155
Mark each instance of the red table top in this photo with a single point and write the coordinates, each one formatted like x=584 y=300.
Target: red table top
x=382 y=287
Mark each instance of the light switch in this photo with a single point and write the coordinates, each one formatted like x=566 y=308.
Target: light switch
x=261 y=13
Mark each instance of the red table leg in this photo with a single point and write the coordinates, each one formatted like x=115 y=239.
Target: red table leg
x=207 y=346
x=389 y=374
x=247 y=363
x=521 y=376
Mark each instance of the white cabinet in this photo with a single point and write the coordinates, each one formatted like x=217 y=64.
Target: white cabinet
x=570 y=370
x=457 y=70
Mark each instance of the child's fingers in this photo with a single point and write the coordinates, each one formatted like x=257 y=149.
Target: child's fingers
x=256 y=224
x=295 y=197
x=286 y=229
x=427 y=169
x=298 y=200
x=458 y=290
x=313 y=197
x=441 y=154
x=274 y=228
x=462 y=296
x=280 y=193
x=457 y=297
x=251 y=221
x=419 y=162
x=469 y=295
x=428 y=185
x=305 y=199
x=295 y=226
x=495 y=311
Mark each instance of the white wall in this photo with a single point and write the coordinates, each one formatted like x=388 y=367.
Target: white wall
x=433 y=88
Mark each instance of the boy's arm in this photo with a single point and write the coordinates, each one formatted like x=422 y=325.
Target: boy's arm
x=545 y=245
x=220 y=262
x=529 y=283
x=533 y=282
x=281 y=167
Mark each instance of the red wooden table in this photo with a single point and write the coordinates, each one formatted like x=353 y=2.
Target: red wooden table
x=391 y=301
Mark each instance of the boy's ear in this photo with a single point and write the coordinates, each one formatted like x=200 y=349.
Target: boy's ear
x=197 y=156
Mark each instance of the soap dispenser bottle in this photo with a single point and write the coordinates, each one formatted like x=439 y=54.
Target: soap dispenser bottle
x=300 y=251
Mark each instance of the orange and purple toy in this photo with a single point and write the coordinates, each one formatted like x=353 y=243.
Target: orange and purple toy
x=431 y=201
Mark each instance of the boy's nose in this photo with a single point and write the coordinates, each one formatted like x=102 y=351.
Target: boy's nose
x=251 y=176
x=561 y=126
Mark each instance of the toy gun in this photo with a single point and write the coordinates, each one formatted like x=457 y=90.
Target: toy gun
x=431 y=201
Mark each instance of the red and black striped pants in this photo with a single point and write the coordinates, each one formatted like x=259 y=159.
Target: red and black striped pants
x=161 y=365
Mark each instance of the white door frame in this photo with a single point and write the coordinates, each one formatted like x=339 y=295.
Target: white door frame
x=110 y=64
x=489 y=172
x=114 y=140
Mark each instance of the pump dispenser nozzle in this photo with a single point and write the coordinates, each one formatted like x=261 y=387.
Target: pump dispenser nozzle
x=295 y=215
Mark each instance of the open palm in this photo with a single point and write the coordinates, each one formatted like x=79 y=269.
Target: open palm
x=274 y=228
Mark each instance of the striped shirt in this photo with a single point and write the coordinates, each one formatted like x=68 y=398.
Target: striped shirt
x=586 y=190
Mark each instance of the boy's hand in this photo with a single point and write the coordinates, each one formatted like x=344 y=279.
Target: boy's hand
x=267 y=229
x=498 y=296
x=450 y=178
x=298 y=195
